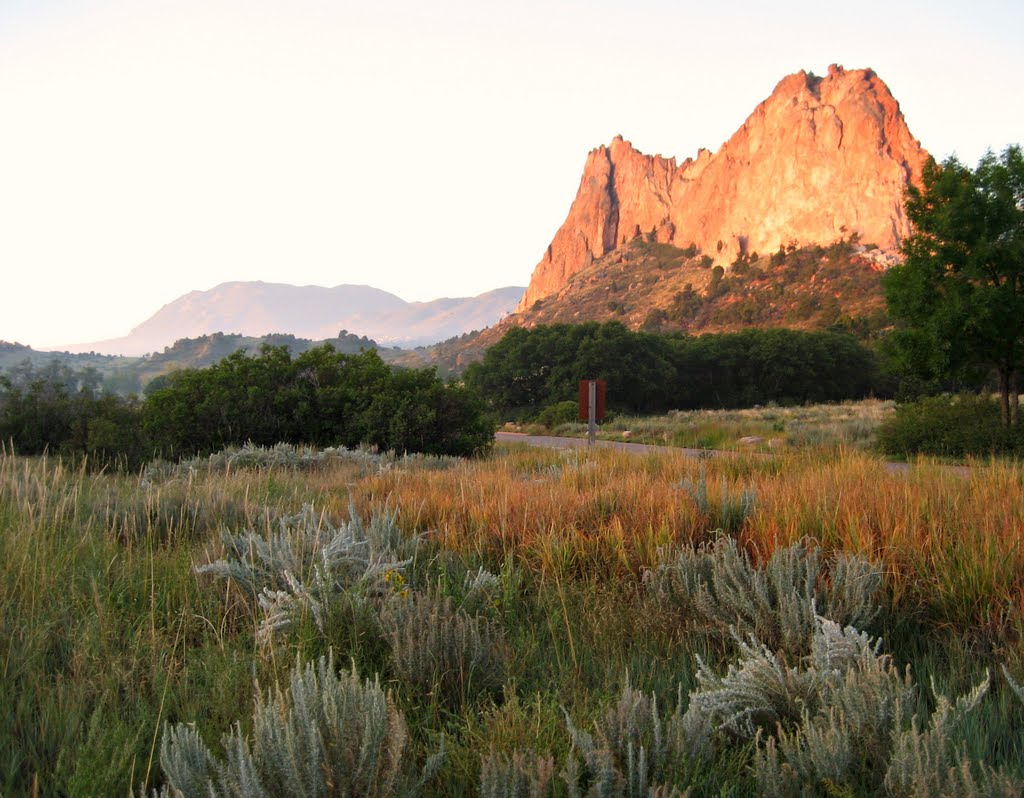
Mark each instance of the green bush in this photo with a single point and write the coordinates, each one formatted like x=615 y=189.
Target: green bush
x=952 y=426
x=322 y=397
x=559 y=413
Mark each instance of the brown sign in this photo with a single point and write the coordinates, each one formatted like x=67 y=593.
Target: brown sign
x=584 y=413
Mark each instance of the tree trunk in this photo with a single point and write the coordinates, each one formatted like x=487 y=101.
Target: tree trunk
x=1004 y=395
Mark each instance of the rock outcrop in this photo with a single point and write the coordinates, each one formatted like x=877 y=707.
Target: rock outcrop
x=821 y=159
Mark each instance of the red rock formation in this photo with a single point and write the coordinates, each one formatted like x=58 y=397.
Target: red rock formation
x=819 y=159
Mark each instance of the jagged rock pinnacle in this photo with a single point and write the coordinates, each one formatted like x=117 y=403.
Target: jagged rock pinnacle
x=821 y=159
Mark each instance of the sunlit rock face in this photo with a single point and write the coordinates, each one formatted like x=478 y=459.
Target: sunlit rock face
x=821 y=159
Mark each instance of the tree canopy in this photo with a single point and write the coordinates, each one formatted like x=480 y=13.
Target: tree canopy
x=960 y=291
x=322 y=397
x=530 y=369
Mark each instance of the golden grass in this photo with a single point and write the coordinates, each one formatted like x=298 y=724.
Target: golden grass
x=950 y=540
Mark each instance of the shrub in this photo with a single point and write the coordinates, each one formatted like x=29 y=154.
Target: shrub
x=654 y=320
x=1015 y=686
x=560 y=413
x=289 y=457
x=307 y=561
x=835 y=722
x=777 y=603
x=324 y=734
x=481 y=590
x=633 y=752
x=926 y=761
x=443 y=651
x=838 y=721
x=948 y=426
x=321 y=398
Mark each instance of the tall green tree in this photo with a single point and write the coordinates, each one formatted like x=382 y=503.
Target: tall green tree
x=960 y=290
x=530 y=369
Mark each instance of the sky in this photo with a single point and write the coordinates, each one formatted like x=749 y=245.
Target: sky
x=153 y=147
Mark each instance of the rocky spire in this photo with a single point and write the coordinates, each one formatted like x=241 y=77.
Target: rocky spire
x=820 y=159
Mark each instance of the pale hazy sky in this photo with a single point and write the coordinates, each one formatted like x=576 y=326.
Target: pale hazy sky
x=150 y=147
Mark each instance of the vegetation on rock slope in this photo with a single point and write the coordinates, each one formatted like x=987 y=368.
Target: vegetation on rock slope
x=657 y=287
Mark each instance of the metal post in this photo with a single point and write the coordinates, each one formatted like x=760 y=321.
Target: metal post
x=592 y=419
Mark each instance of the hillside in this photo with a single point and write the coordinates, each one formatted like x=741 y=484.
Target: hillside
x=658 y=287
x=13 y=355
x=661 y=288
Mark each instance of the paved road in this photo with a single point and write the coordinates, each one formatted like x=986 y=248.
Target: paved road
x=553 y=442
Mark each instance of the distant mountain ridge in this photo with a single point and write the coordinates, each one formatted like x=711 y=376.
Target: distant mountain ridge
x=314 y=312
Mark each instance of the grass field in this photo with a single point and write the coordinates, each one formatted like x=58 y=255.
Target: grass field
x=569 y=665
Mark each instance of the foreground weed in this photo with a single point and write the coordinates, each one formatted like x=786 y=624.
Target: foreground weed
x=307 y=561
x=926 y=760
x=441 y=651
x=523 y=774
x=841 y=718
x=776 y=603
x=325 y=734
x=106 y=632
x=729 y=511
x=631 y=753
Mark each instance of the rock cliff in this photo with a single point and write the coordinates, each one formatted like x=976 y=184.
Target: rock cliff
x=821 y=159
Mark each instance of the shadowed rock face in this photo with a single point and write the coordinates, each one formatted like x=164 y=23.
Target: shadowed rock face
x=820 y=159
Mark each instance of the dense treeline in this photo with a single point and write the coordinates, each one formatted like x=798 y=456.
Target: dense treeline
x=127 y=375
x=321 y=398
x=530 y=369
x=59 y=410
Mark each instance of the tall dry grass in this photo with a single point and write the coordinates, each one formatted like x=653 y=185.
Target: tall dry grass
x=950 y=538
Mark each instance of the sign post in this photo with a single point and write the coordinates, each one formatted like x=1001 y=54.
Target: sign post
x=591 y=412
x=591 y=409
